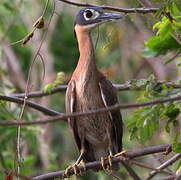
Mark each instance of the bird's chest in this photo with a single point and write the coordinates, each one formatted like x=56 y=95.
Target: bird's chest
x=88 y=97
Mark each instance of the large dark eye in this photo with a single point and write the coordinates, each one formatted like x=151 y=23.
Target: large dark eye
x=88 y=14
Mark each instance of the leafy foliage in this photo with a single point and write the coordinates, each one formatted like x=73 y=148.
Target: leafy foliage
x=48 y=88
x=145 y=121
x=167 y=30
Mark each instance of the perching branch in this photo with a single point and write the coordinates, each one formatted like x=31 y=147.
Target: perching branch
x=123 y=10
x=96 y=165
x=64 y=116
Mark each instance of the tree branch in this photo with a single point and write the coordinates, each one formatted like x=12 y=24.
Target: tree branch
x=62 y=88
x=33 y=105
x=123 y=10
x=64 y=116
x=96 y=165
x=177 y=177
x=164 y=165
x=131 y=172
x=136 y=163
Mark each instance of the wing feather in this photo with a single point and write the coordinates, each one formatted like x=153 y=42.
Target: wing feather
x=70 y=108
x=109 y=96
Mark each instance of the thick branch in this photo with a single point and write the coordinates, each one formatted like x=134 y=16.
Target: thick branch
x=123 y=10
x=33 y=105
x=64 y=116
x=96 y=165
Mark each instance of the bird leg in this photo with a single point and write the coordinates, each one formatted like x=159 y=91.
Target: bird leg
x=76 y=171
x=104 y=167
x=110 y=147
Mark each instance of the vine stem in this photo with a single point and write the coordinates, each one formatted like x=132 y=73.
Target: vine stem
x=26 y=94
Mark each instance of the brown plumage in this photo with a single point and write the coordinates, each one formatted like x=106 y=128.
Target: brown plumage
x=96 y=135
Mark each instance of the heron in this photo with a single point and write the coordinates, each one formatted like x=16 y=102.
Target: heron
x=97 y=135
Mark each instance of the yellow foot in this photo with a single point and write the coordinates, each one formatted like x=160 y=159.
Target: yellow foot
x=104 y=167
x=75 y=170
x=67 y=172
x=107 y=167
x=110 y=163
x=80 y=173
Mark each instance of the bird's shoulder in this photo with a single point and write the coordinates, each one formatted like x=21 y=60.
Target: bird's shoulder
x=108 y=90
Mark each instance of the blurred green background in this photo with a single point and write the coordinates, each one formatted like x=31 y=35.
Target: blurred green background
x=51 y=147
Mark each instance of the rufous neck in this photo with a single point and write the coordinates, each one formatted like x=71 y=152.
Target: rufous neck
x=86 y=48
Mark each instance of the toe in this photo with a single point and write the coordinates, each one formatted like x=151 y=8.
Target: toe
x=122 y=153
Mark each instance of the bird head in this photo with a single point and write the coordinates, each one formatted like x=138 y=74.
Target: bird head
x=90 y=17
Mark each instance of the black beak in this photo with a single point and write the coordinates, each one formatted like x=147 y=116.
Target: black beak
x=109 y=17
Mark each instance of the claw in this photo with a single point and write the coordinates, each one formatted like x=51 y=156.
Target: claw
x=82 y=163
x=67 y=172
x=76 y=170
x=109 y=166
x=110 y=163
x=104 y=167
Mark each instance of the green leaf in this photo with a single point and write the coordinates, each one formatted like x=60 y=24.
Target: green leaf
x=167 y=126
x=158 y=46
x=173 y=9
x=48 y=88
x=172 y=111
x=163 y=42
x=148 y=53
x=176 y=146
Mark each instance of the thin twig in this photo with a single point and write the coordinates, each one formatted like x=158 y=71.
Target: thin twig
x=96 y=165
x=64 y=116
x=27 y=87
x=164 y=165
x=147 y=167
x=37 y=94
x=112 y=8
x=174 y=177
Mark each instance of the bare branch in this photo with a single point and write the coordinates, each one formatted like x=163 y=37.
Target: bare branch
x=30 y=104
x=96 y=165
x=147 y=167
x=131 y=172
x=62 y=88
x=37 y=94
x=177 y=177
x=64 y=116
x=164 y=165
x=123 y=10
